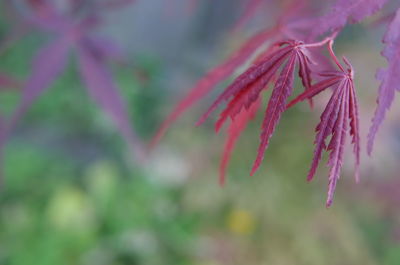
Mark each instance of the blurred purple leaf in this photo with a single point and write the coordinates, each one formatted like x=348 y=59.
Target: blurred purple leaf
x=389 y=77
x=341 y=110
x=47 y=65
x=45 y=16
x=104 y=92
x=345 y=11
x=104 y=48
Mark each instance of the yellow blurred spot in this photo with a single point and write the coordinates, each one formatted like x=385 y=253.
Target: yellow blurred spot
x=101 y=179
x=240 y=222
x=70 y=209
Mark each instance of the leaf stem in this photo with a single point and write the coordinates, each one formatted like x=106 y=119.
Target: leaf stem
x=321 y=43
x=332 y=53
x=328 y=40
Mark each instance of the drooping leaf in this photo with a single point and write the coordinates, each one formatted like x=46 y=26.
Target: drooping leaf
x=341 y=109
x=389 y=77
x=338 y=140
x=246 y=89
x=324 y=129
x=276 y=106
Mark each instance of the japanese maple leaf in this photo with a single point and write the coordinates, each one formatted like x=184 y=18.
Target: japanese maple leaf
x=389 y=77
x=341 y=110
x=247 y=87
x=345 y=11
x=283 y=29
x=93 y=54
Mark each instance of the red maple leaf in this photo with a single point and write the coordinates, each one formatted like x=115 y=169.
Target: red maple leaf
x=341 y=110
x=287 y=24
x=246 y=89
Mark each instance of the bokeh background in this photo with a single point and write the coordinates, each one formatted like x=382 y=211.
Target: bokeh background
x=73 y=194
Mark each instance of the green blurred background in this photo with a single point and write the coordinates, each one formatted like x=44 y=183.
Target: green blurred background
x=73 y=195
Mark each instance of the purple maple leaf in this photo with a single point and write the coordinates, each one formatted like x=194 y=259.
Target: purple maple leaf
x=344 y=11
x=46 y=67
x=93 y=52
x=102 y=89
x=285 y=28
x=341 y=110
x=246 y=89
x=389 y=77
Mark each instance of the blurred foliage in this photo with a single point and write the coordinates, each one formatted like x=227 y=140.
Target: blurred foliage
x=69 y=197
x=53 y=214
